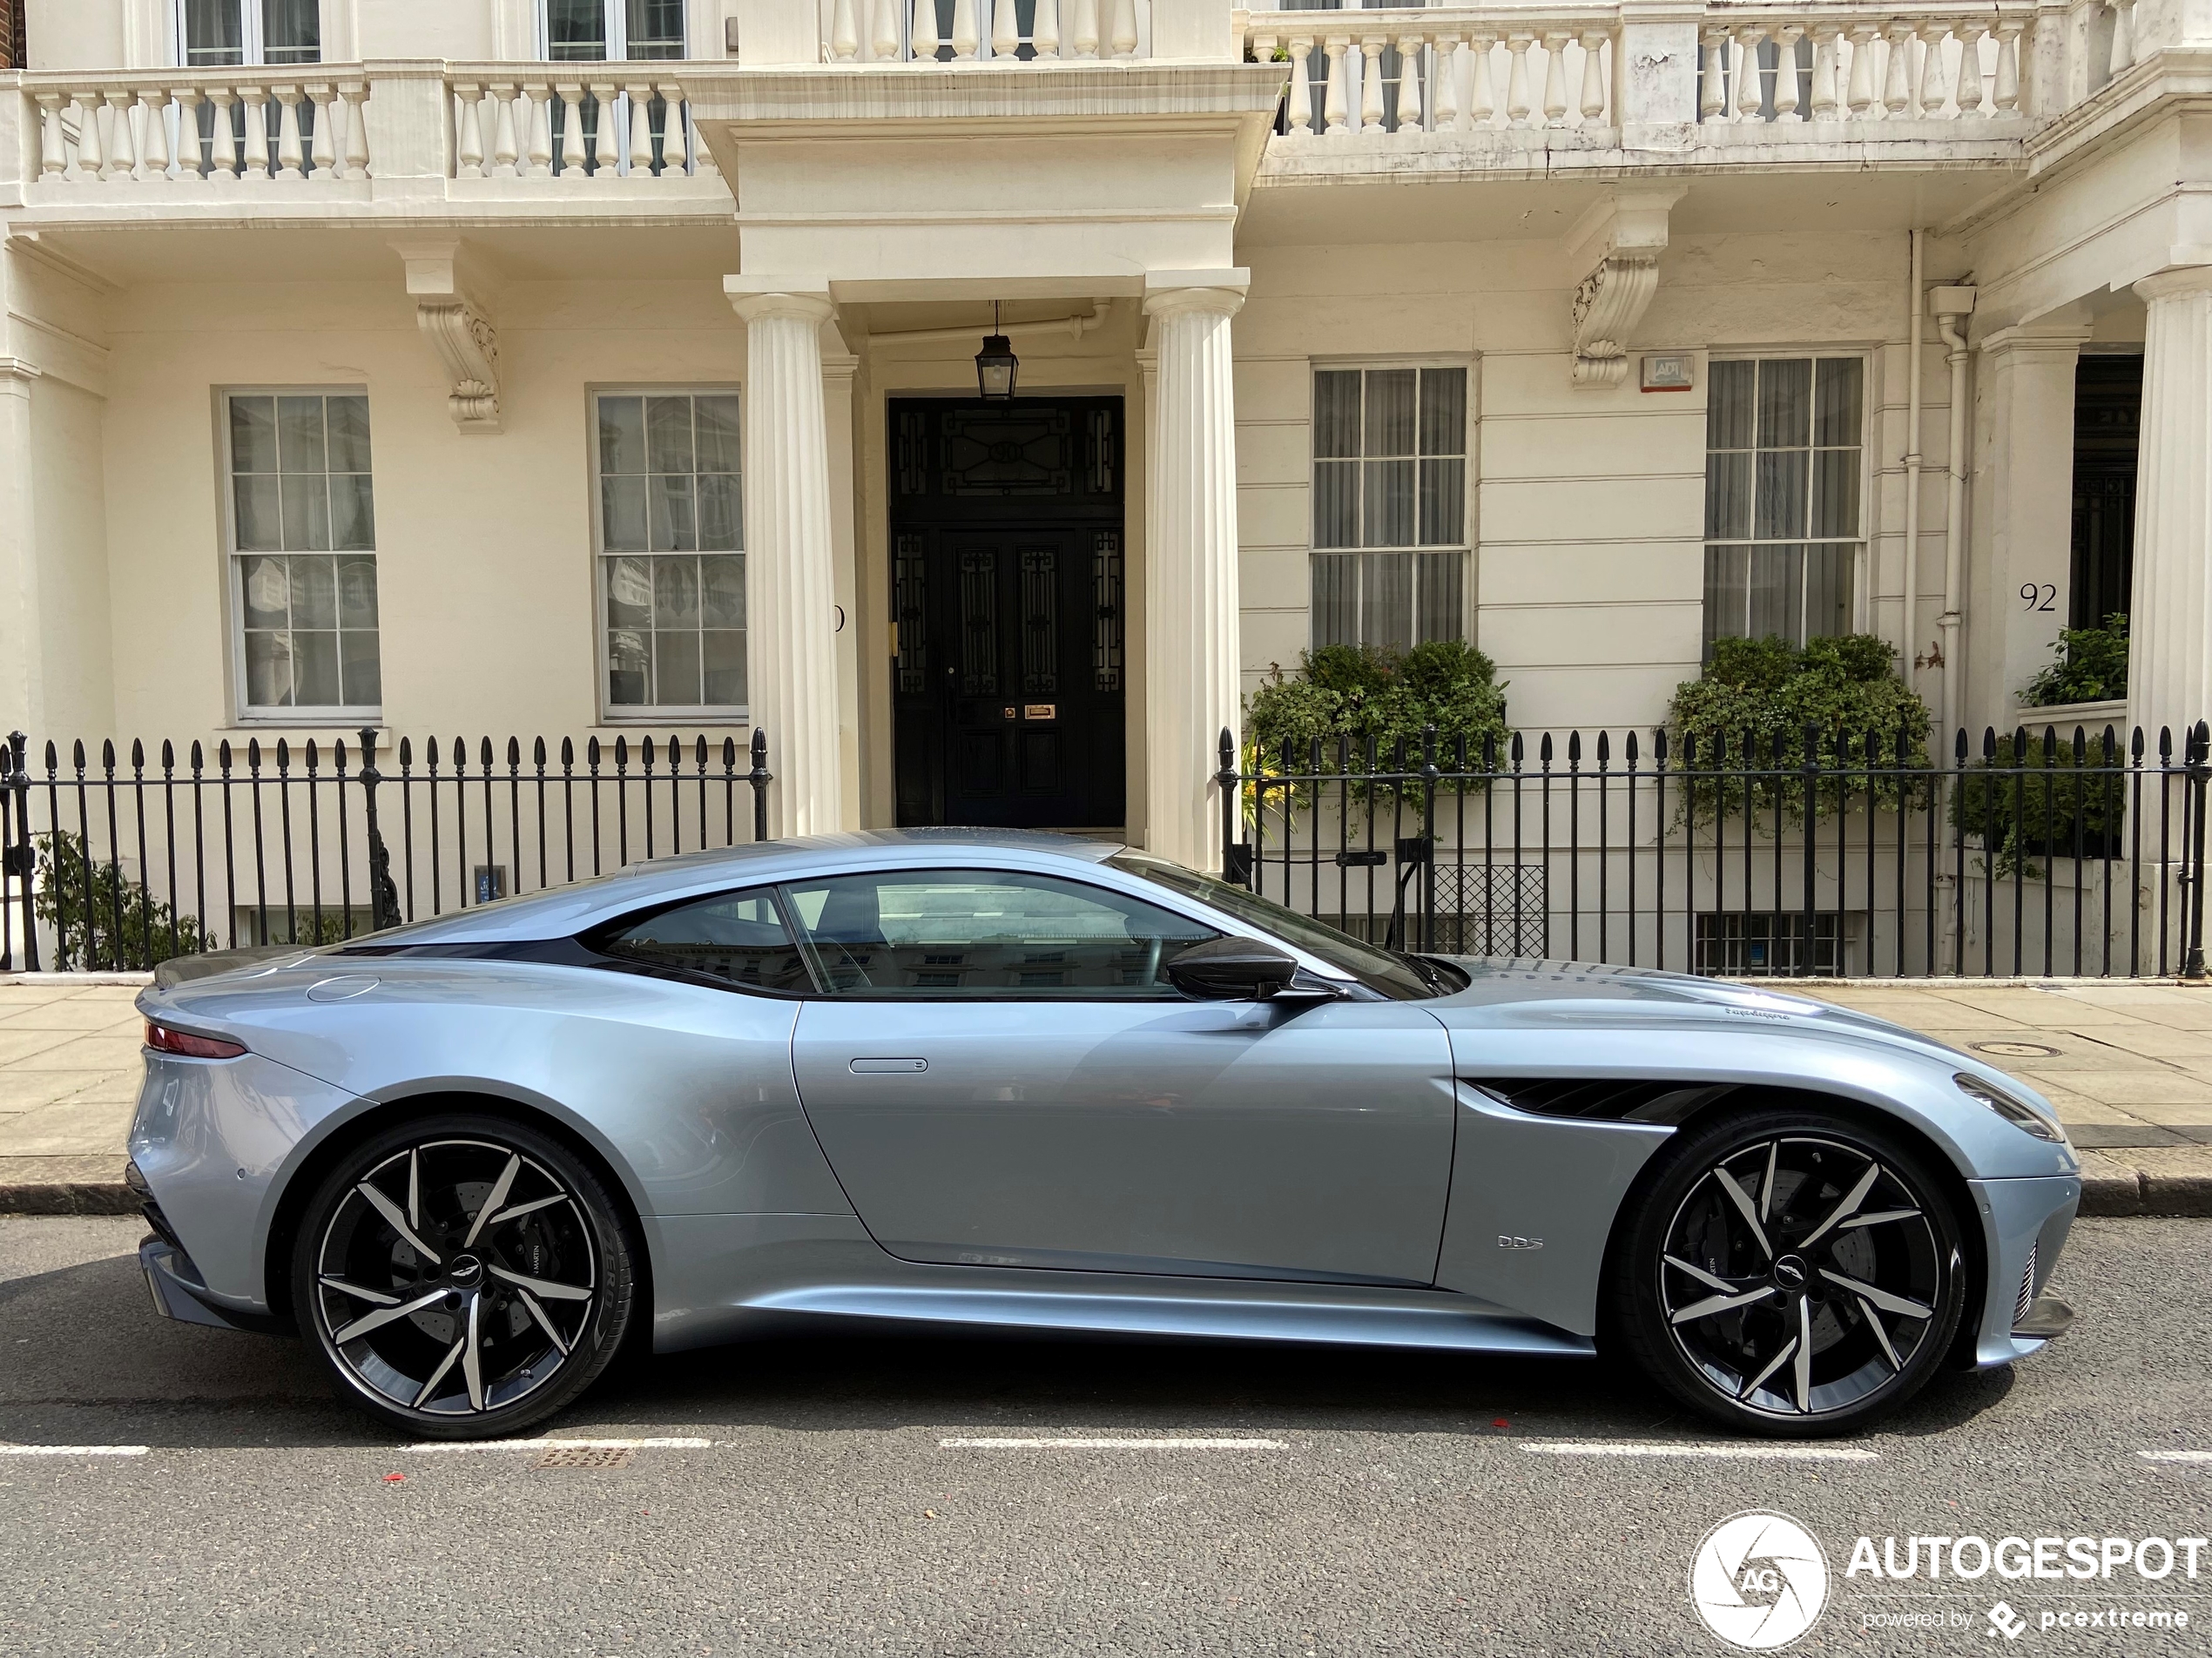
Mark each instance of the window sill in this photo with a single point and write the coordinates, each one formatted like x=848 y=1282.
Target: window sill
x=297 y=733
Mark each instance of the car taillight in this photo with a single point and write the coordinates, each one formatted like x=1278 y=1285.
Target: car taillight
x=182 y=1043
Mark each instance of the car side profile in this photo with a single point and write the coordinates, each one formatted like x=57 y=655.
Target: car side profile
x=1007 y=1079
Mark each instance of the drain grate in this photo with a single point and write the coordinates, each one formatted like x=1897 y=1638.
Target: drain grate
x=584 y=1456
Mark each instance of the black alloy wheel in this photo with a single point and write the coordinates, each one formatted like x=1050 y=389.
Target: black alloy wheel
x=1791 y=1274
x=463 y=1276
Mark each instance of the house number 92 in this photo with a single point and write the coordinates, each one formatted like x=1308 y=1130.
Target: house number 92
x=2038 y=596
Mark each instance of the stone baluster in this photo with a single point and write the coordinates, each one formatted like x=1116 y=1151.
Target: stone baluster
x=1970 y=69
x=352 y=96
x=1555 y=80
x=1712 y=91
x=1935 y=85
x=155 y=153
x=1370 y=84
x=224 y=166
x=256 y=166
x=923 y=34
x=1334 y=99
x=791 y=568
x=1124 y=35
x=191 y=161
x=506 y=150
x=122 y=151
x=573 y=154
x=1517 y=79
x=1896 y=85
x=640 y=97
x=92 y=158
x=2123 y=39
x=1825 y=38
x=540 y=151
x=845 y=33
x=1444 y=90
x=1301 y=104
x=322 y=154
x=1785 y=71
x=53 y=147
x=966 y=33
x=468 y=139
x=1592 y=106
x=1082 y=29
x=607 y=139
x=1482 y=103
x=1044 y=28
x=1411 y=119
x=1005 y=31
x=1748 y=89
x=883 y=31
x=291 y=152
x=690 y=151
x=2008 y=95
x=1859 y=96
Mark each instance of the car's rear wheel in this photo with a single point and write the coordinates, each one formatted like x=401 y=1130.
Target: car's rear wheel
x=462 y=1276
x=1790 y=1273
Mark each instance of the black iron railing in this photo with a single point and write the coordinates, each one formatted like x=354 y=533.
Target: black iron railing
x=118 y=860
x=2043 y=854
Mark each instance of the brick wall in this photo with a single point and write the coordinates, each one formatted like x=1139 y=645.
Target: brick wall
x=10 y=34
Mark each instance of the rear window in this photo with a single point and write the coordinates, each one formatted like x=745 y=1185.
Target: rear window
x=736 y=938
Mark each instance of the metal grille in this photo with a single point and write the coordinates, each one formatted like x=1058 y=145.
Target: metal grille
x=584 y=1456
x=1741 y=946
x=1492 y=909
x=2027 y=1288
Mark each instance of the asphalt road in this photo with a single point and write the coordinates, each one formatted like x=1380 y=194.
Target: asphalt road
x=1404 y=1509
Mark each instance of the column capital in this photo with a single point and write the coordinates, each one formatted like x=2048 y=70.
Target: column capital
x=2178 y=281
x=2066 y=337
x=1221 y=293
x=802 y=298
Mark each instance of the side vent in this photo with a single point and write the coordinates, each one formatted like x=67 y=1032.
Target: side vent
x=1601 y=1100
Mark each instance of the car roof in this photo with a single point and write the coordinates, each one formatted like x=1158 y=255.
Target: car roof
x=560 y=911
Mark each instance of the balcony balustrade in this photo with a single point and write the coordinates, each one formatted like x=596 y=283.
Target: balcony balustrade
x=881 y=32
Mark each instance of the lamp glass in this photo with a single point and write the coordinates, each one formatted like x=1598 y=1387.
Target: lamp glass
x=995 y=368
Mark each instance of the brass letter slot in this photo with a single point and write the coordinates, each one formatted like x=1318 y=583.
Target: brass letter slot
x=1041 y=711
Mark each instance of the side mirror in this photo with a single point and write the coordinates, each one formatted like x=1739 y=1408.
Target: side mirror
x=1231 y=970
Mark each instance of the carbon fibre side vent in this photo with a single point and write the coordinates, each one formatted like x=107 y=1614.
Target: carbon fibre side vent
x=1601 y=1100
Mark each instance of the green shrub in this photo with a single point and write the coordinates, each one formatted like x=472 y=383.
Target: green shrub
x=2092 y=667
x=1757 y=701
x=113 y=924
x=2045 y=803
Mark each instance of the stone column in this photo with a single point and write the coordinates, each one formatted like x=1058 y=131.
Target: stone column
x=2170 y=609
x=791 y=607
x=1191 y=606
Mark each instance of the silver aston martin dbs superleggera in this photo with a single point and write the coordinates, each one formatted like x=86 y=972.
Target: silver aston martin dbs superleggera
x=1007 y=1079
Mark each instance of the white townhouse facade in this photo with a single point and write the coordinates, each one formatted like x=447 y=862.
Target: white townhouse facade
x=610 y=367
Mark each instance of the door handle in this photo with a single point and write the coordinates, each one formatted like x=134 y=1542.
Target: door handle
x=887 y=1067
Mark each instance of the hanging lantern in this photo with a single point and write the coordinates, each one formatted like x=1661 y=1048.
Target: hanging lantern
x=996 y=365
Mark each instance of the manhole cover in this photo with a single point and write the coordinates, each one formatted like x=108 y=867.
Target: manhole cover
x=584 y=1456
x=2015 y=1050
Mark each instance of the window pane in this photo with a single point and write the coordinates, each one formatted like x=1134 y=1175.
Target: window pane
x=268 y=670
x=291 y=31
x=1786 y=402
x=671 y=529
x=1336 y=414
x=622 y=507
x=629 y=662
x=1441 y=574
x=364 y=680
x=1388 y=519
x=1835 y=492
x=1336 y=503
x=1443 y=503
x=722 y=592
x=264 y=588
x=315 y=593
x=260 y=521
x=719 y=447
x=1336 y=599
x=1828 y=582
x=656 y=27
x=676 y=668
x=214 y=33
x=630 y=593
x=307 y=513
x=1778 y=592
x=349 y=434
x=576 y=30
x=1836 y=411
x=254 y=447
x=622 y=434
x=1728 y=404
x=668 y=434
x=357 y=593
x=983 y=934
x=314 y=668
x=299 y=435
x=1725 y=570
x=1444 y=411
x=1780 y=503
x=734 y=936
x=1390 y=424
x=723 y=653
x=352 y=513
x=676 y=593
x=1386 y=600
x=721 y=514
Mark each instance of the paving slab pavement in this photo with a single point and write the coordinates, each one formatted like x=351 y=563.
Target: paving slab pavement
x=2128 y=1064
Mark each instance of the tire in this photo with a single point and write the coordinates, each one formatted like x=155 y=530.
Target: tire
x=1818 y=1296
x=398 y=1265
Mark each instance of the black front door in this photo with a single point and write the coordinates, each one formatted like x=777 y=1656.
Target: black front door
x=1007 y=569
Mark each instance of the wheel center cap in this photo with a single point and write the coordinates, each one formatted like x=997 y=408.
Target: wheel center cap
x=467 y=1271
x=1790 y=1272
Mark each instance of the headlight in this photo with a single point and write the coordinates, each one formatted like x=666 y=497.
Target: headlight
x=2013 y=1111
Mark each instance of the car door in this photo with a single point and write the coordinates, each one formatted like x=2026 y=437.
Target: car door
x=1001 y=1075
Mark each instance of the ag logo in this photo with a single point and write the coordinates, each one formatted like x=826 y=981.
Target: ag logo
x=1759 y=1581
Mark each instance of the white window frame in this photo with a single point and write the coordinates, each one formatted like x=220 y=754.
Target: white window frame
x=242 y=711
x=1861 y=564
x=616 y=13
x=1467 y=547
x=253 y=37
x=610 y=712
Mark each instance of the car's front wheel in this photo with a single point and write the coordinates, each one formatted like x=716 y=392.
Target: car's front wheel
x=462 y=1276
x=1790 y=1273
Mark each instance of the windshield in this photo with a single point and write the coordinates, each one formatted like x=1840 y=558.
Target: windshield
x=1401 y=977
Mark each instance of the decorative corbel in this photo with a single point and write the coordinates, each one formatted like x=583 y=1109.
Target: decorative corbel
x=457 y=326
x=1617 y=244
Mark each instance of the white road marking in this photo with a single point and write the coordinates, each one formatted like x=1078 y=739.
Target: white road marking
x=1630 y=1448
x=1113 y=1445
x=540 y=1445
x=72 y=1449
x=2175 y=1456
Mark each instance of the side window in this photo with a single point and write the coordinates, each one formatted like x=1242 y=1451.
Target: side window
x=737 y=937
x=987 y=934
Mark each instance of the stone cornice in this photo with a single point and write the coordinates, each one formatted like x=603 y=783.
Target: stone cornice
x=819 y=100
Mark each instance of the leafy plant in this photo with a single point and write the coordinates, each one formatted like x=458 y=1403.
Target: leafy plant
x=2092 y=667
x=1749 y=717
x=102 y=919
x=2036 y=797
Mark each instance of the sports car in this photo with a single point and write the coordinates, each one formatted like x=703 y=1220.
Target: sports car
x=979 y=1078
